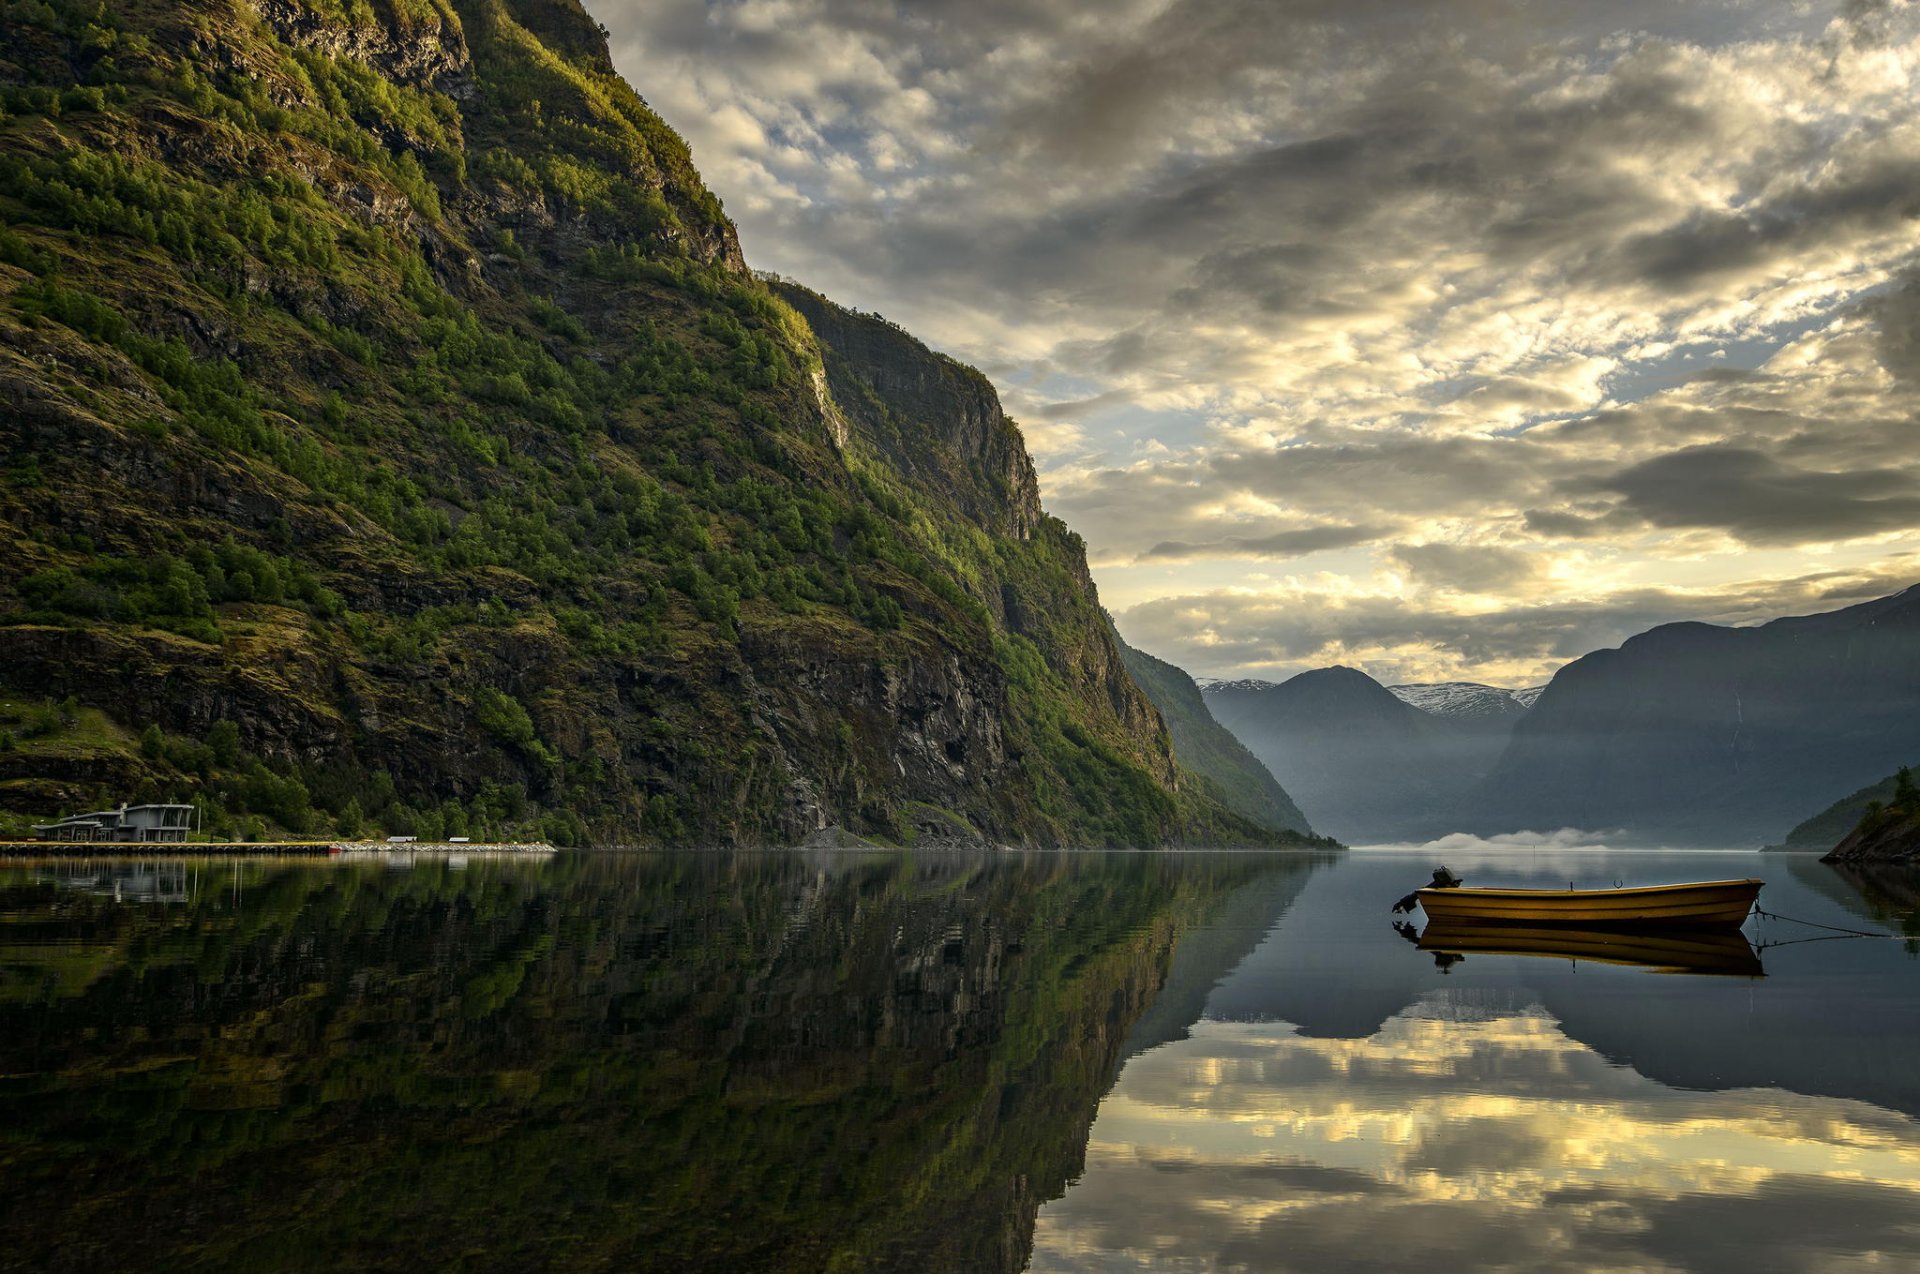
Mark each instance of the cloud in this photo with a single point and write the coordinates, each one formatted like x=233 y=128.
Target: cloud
x=1624 y=291
x=1466 y=567
x=1762 y=500
x=1295 y=625
x=1281 y=545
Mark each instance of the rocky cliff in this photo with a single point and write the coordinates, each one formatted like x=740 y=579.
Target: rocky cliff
x=394 y=436
x=1883 y=836
x=1889 y=828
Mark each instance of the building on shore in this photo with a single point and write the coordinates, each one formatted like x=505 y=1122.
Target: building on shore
x=140 y=824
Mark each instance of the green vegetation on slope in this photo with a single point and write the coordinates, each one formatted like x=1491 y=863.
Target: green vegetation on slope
x=384 y=381
x=1826 y=829
x=1208 y=749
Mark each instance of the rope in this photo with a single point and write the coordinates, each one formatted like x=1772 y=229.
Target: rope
x=1814 y=924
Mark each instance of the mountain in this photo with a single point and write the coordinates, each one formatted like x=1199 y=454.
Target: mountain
x=395 y=438
x=1465 y=700
x=1698 y=734
x=1364 y=764
x=1205 y=747
x=1830 y=826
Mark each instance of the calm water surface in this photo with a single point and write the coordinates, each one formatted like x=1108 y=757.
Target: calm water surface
x=937 y=1062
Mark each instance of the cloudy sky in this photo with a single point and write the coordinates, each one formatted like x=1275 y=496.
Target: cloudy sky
x=1445 y=339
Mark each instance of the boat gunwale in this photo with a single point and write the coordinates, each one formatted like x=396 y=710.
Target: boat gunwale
x=1628 y=891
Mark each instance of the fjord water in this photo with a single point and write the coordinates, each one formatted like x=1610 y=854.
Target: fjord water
x=931 y=1061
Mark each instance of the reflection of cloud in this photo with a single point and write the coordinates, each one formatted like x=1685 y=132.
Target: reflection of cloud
x=1477 y=1139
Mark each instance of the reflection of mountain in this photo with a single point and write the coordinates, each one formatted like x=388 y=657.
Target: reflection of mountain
x=1207 y=955
x=1855 y=1038
x=725 y=1061
x=1465 y=1134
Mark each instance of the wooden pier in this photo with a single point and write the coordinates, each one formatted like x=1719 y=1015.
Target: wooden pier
x=17 y=849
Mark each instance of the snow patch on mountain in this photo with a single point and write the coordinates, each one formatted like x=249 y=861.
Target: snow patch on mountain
x=1210 y=684
x=1465 y=698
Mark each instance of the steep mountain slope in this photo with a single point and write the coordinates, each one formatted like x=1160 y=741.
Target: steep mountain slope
x=1208 y=749
x=1363 y=764
x=1696 y=734
x=395 y=434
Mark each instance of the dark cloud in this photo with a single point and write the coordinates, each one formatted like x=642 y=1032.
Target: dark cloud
x=1875 y=197
x=1467 y=567
x=1279 y=546
x=1081 y=407
x=1755 y=497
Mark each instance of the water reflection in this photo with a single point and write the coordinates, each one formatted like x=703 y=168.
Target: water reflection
x=1346 y=1105
x=1463 y=1136
x=721 y=1061
x=1708 y=952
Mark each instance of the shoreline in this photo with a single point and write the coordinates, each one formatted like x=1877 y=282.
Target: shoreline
x=16 y=850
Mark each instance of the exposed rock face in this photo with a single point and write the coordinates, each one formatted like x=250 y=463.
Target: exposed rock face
x=1888 y=837
x=430 y=51
x=1694 y=734
x=940 y=421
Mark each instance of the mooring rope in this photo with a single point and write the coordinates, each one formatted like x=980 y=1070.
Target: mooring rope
x=1814 y=924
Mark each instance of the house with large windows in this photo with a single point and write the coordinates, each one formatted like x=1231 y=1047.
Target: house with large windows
x=138 y=824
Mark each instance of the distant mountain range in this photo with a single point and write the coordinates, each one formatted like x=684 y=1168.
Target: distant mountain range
x=1698 y=734
x=1202 y=746
x=1366 y=763
x=1688 y=734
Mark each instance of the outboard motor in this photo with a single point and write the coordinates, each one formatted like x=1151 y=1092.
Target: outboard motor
x=1442 y=879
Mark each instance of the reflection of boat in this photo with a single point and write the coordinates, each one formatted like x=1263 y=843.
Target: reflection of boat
x=1698 y=905
x=1670 y=950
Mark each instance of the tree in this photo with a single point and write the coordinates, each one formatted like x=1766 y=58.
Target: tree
x=224 y=739
x=1905 y=795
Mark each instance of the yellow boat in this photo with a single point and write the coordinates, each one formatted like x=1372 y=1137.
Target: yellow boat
x=1697 y=905
x=1720 y=951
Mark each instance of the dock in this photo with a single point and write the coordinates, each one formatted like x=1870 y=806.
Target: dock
x=17 y=849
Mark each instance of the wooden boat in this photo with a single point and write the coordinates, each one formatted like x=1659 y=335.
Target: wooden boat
x=1696 y=905
x=1721 y=951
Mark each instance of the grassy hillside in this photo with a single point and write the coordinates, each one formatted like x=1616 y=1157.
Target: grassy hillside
x=396 y=439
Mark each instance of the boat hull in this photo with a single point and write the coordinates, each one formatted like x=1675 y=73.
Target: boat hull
x=1720 y=950
x=1703 y=904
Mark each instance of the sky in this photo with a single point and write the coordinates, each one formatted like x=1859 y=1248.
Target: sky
x=1446 y=340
